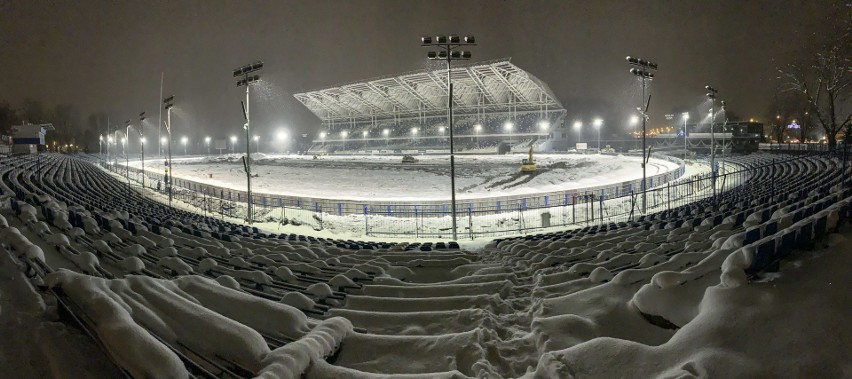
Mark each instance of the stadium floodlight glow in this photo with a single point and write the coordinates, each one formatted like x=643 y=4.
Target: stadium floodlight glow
x=385 y=132
x=256 y=137
x=142 y=139
x=246 y=80
x=508 y=125
x=634 y=120
x=123 y=140
x=643 y=73
x=184 y=140
x=343 y=134
x=168 y=104
x=544 y=124
x=711 y=94
x=578 y=125
x=441 y=129
x=207 y=140
x=477 y=127
x=447 y=51
x=281 y=135
x=598 y=122
x=322 y=135
x=414 y=131
x=164 y=139
x=365 y=133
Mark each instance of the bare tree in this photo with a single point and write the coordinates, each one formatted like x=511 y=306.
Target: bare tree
x=825 y=77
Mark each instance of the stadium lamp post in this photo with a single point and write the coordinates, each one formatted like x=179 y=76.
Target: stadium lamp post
x=598 y=123
x=448 y=53
x=414 y=135
x=386 y=133
x=184 y=140
x=256 y=143
x=343 y=135
x=477 y=129
x=508 y=125
x=246 y=80
x=578 y=126
x=364 y=134
x=643 y=72
x=233 y=144
x=207 y=142
x=169 y=103
x=142 y=144
x=684 y=116
x=281 y=137
x=711 y=94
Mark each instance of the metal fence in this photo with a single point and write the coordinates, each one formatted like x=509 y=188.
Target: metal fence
x=483 y=217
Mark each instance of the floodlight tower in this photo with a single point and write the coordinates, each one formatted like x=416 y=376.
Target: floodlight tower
x=448 y=52
x=246 y=80
x=207 y=142
x=643 y=72
x=598 y=123
x=685 y=116
x=169 y=103
x=711 y=94
x=142 y=144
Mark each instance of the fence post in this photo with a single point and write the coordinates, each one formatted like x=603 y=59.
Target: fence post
x=669 y=190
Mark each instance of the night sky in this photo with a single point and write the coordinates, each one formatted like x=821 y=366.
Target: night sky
x=107 y=56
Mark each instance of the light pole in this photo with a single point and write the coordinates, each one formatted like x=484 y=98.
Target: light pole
x=343 y=135
x=233 y=144
x=169 y=103
x=643 y=72
x=184 y=140
x=477 y=129
x=281 y=137
x=578 y=126
x=414 y=135
x=142 y=144
x=711 y=94
x=207 y=142
x=246 y=80
x=448 y=52
x=256 y=144
x=508 y=125
x=364 y=134
x=386 y=133
x=598 y=123
x=685 y=116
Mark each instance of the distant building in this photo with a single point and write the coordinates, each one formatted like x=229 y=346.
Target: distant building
x=29 y=138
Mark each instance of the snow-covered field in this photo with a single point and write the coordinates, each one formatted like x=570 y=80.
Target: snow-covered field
x=661 y=299
x=382 y=177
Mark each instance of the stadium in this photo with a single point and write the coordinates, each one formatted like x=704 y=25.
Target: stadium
x=445 y=223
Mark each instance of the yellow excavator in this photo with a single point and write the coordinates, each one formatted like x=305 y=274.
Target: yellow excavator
x=528 y=165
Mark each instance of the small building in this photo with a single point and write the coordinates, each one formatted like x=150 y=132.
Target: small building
x=29 y=138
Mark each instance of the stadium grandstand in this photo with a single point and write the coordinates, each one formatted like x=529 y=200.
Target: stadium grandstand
x=497 y=107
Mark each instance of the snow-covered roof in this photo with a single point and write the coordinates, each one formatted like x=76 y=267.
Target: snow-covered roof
x=494 y=86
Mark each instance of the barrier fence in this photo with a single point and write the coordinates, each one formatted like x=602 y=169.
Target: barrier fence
x=484 y=217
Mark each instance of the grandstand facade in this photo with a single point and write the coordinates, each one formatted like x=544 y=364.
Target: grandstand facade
x=497 y=106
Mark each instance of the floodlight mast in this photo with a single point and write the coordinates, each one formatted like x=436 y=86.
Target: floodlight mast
x=643 y=72
x=142 y=144
x=711 y=94
x=169 y=103
x=448 y=52
x=246 y=80
x=126 y=155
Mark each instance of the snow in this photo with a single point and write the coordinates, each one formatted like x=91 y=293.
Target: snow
x=380 y=177
x=631 y=302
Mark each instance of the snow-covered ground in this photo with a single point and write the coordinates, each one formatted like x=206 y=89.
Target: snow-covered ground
x=669 y=300
x=381 y=177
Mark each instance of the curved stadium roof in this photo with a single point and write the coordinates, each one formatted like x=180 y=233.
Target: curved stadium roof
x=483 y=87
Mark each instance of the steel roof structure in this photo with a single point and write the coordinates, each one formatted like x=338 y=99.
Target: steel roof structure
x=478 y=88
